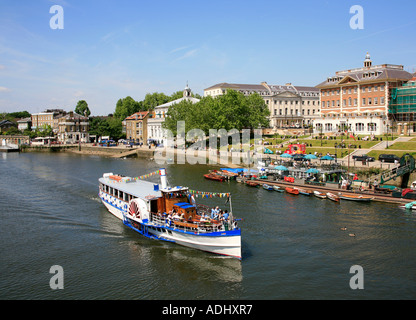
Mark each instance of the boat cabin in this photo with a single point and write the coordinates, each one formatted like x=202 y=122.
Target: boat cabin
x=187 y=209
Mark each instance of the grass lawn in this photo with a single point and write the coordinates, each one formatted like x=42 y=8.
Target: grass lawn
x=376 y=153
x=405 y=145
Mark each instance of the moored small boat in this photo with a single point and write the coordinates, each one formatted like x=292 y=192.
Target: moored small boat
x=332 y=196
x=278 y=189
x=267 y=187
x=252 y=183
x=409 y=206
x=292 y=190
x=319 y=194
x=305 y=192
x=355 y=197
x=214 y=177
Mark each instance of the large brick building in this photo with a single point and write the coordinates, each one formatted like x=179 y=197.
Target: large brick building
x=358 y=99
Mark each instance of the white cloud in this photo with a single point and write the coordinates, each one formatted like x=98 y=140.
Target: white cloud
x=4 y=89
x=179 y=49
x=188 y=54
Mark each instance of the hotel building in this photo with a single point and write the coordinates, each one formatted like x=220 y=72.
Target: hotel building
x=290 y=106
x=358 y=99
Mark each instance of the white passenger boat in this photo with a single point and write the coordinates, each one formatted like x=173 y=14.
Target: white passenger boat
x=145 y=207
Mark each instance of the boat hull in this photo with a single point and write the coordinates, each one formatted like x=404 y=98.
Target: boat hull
x=292 y=190
x=278 y=189
x=332 y=197
x=226 y=243
x=214 y=177
x=319 y=194
x=355 y=198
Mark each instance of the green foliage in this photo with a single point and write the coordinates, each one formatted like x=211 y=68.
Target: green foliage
x=126 y=107
x=152 y=100
x=82 y=108
x=232 y=110
x=109 y=126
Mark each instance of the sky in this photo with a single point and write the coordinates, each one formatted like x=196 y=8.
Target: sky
x=109 y=50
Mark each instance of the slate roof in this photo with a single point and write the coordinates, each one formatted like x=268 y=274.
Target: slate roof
x=274 y=89
x=141 y=115
x=376 y=73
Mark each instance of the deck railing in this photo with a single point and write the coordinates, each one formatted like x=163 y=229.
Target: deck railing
x=194 y=226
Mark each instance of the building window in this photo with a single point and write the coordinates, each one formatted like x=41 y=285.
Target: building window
x=369 y=101
x=363 y=101
x=355 y=101
x=372 y=126
x=375 y=100
x=381 y=100
x=359 y=127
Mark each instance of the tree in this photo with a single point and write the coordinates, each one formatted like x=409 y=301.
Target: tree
x=232 y=110
x=153 y=100
x=109 y=126
x=126 y=107
x=82 y=108
x=259 y=112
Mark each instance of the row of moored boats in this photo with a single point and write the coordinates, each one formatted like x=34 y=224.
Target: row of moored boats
x=322 y=195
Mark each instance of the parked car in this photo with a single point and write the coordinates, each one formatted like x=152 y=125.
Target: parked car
x=363 y=157
x=388 y=158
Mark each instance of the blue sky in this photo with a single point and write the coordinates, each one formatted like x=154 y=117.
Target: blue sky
x=111 y=49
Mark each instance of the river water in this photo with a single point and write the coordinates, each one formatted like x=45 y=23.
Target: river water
x=293 y=247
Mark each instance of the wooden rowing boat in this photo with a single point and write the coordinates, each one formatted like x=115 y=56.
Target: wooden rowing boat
x=318 y=194
x=252 y=183
x=213 y=177
x=278 y=189
x=332 y=196
x=305 y=192
x=292 y=190
x=355 y=197
x=267 y=187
